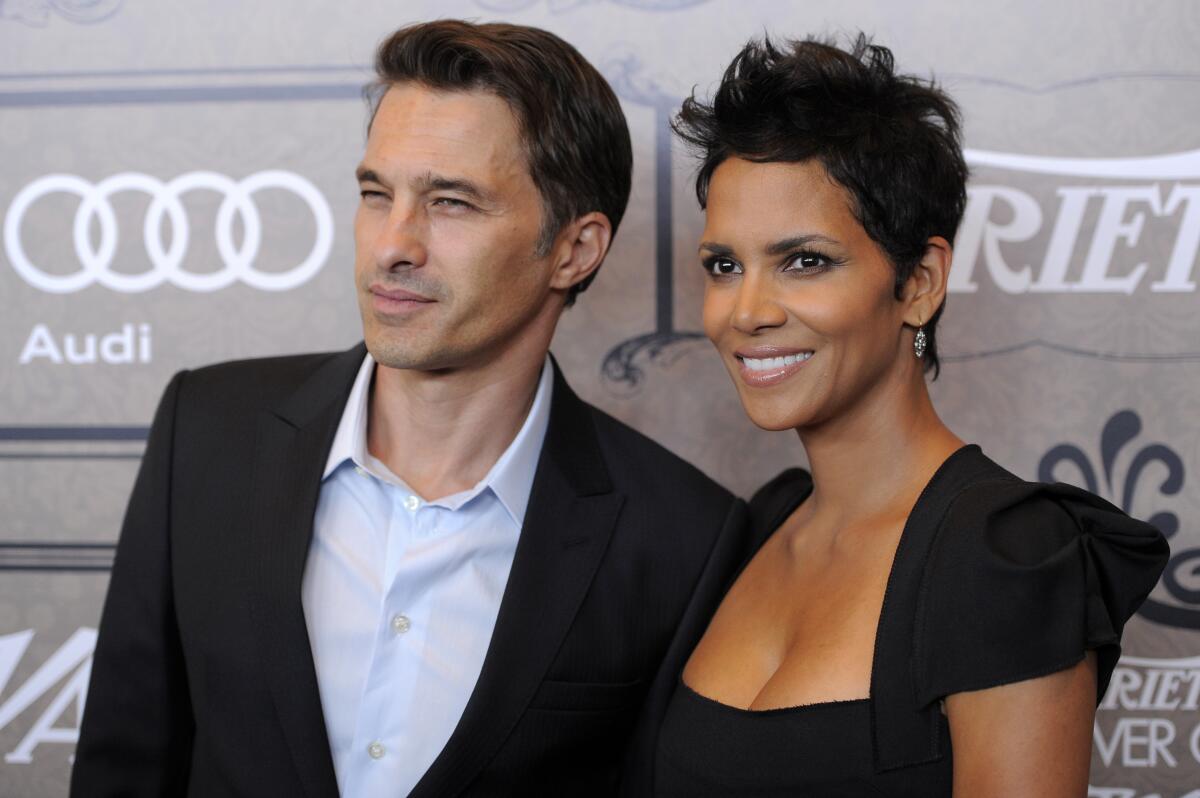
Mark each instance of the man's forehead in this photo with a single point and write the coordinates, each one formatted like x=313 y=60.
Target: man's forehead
x=422 y=131
x=416 y=106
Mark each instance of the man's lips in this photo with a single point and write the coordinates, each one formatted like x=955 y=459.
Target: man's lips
x=398 y=294
x=397 y=301
x=762 y=366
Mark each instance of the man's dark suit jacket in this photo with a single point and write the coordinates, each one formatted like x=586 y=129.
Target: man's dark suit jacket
x=203 y=681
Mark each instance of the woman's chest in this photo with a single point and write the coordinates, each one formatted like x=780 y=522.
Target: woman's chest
x=797 y=627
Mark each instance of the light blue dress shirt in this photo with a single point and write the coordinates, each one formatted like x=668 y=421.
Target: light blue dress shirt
x=401 y=595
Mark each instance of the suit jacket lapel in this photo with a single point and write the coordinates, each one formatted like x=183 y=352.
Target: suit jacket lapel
x=292 y=445
x=731 y=550
x=571 y=514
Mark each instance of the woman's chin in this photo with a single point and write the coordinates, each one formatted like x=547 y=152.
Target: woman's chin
x=775 y=419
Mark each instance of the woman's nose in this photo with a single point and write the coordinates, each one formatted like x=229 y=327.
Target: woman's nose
x=756 y=307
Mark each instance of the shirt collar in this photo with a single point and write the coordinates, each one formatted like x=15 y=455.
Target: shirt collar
x=350 y=440
x=510 y=478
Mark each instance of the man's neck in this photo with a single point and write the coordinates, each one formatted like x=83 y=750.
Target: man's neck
x=442 y=431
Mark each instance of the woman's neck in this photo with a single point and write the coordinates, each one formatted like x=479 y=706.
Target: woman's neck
x=874 y=459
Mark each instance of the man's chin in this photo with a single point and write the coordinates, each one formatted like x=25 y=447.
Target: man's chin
x=396 y=356
x=389 y=354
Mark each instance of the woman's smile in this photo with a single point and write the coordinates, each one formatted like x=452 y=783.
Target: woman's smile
x=763 y=366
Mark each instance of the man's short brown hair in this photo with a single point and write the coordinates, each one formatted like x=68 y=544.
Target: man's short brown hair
x=572 y=127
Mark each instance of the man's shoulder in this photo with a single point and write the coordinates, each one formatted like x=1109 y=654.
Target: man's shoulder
x=279 y=370
x=634 y=457
x=259 y=382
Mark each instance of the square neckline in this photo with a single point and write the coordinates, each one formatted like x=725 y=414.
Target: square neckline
x=776 y=522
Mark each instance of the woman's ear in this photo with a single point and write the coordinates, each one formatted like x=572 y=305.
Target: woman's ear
x=925 y=289
x=580 y=249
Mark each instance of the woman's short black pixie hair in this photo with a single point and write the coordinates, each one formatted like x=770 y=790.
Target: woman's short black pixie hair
x=892 y=141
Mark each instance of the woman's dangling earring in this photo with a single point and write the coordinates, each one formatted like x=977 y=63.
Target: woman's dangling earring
x=919 y=343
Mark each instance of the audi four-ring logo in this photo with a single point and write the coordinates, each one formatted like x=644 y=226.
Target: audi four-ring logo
x=166 y=261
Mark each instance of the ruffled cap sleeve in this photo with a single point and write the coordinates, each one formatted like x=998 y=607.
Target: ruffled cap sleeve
x=1022 y=580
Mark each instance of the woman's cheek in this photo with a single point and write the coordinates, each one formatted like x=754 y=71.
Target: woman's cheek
x=715 y=313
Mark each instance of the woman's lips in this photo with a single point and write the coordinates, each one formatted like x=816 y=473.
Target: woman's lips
x=764 y=367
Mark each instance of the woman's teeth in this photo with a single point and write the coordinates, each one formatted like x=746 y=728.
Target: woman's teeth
x=769 y=363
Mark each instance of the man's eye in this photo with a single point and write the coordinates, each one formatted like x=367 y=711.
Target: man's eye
x=368 y=194
x=452 y=202
x=720 y=267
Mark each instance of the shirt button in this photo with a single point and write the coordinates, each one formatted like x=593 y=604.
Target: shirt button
x=401 y=624
x=376 y=750
x=411 y=503
x=362 y=472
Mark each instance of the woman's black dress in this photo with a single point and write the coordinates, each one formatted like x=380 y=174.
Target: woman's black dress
x=995 y=580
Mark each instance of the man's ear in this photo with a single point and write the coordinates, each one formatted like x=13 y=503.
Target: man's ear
x=580 y=249
x=925 y=290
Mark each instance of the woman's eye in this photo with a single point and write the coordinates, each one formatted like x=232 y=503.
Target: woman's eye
x=808 y=262
x=720 y=267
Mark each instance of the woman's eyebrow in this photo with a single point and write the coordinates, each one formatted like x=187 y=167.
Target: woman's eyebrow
x=780 y=247
x=716 y=249
x=786 y=245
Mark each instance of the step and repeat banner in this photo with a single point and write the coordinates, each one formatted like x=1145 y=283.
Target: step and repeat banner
x=177 y=188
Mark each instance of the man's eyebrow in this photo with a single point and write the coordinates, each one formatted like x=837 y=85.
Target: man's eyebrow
x=432 y=182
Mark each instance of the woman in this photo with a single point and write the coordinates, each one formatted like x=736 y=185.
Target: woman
x=911 y=598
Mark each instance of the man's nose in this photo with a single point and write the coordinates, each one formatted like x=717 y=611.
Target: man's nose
x=757 y=308
x=402 y=239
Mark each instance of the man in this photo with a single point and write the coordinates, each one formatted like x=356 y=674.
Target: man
x=424 y=566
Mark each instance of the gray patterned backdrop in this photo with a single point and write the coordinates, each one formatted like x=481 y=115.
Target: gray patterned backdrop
x=177 y=188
